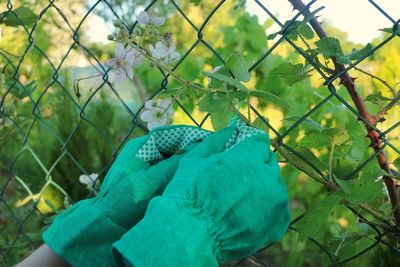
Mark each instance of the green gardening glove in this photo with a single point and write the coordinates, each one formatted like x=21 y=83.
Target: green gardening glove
x=218 y=206
x=83 y=235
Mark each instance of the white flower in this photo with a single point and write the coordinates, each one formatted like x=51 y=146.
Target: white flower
x=157 y=114
x=145 y=18
x=124 y=61
x=165 y=49
x=88 y=179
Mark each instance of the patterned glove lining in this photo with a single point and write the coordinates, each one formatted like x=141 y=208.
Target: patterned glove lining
x=170 y=141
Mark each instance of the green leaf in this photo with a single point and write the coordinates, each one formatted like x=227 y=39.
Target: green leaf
x=396 y=163
x=220 y=108
x=337 y=135
x=376 y=98
x=390 y=30
x=229 y=80
x=306 y=31
x=356 y=54
x=365 y=190
x=290 y=73
x=329 y=47
x=25 y=16
x=219 y=120
x=315 y=140
x=306 y=153
x=271 y=98
x=239 y=67
x=316 y=216
x=344 y=166
x=258 y=123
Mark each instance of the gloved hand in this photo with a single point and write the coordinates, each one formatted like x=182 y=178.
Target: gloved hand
x=218 y=206
x=83 y=235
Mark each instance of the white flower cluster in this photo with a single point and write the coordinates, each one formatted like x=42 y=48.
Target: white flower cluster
x=128 y=56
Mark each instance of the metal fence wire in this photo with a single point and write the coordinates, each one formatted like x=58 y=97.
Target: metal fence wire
x=21 y=213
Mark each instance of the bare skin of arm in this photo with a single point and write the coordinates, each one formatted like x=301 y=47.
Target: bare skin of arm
x=43 y=257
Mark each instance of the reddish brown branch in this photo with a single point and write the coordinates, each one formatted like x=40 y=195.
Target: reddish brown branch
x=373 y=135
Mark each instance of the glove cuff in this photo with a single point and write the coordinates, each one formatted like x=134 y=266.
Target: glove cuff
x=166 y=237
x=83 y=235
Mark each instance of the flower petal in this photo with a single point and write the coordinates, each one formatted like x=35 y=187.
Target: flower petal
x=150 y=104
x=160 y=51
x=120 y=76
x=165 y=103
x=130 y=58
x=129 y=71
x=84 y=179
x=173 y=54
x=93 y=176
x=147 y=115
x=154 y=124
x=157 y=21
x=143 y=18
x=111 y=63
x=120 y=50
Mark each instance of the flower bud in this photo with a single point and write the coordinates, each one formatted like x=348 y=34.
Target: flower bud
x=117 y=23
x=110 y=37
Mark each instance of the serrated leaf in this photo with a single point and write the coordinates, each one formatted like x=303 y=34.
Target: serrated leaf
x=337 y=135
x=330 y=47
x=239 y=67
x=359 y=53
x=315 y=140
x=21 y=15
x=290 y=73
x=271 y=98
x=366 y=190
x=219 y=107
x=376 y=98
x=344 y=166
x=306 y=31
x=229 y=80
x=316 y=216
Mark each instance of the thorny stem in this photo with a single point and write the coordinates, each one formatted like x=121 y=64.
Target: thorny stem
x=315 y=176
x=373 y=135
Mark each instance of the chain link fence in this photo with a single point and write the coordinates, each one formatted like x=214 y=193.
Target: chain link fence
x=27 y=202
